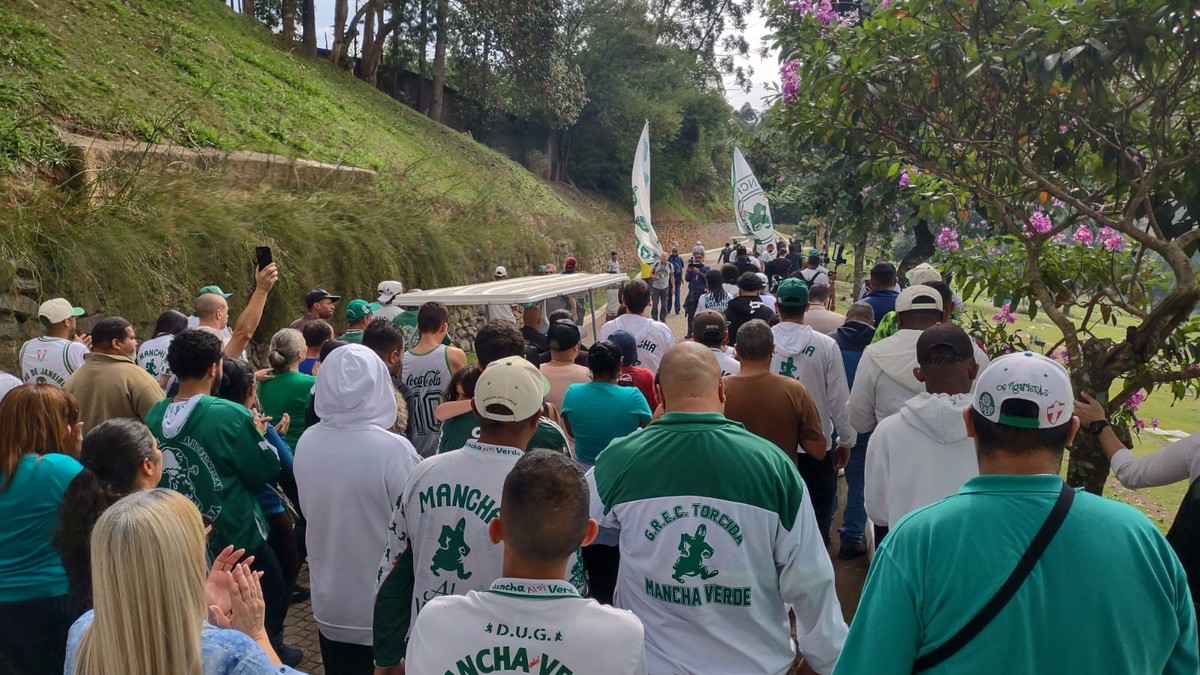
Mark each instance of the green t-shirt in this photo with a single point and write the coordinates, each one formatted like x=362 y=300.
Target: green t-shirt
x=456 y=431
x=30 y=566
x=287 y=393
x=352 y=336
x=215 y=456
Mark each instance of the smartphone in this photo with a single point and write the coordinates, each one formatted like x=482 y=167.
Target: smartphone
x=264 y=256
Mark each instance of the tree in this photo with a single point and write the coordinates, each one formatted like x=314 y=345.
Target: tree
x=1028 y=128
x=288 y=16
x=441 y=17
x=308 y=16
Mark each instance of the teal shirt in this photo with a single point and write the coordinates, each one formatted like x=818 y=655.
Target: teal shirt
x=288 y=393
x=600 y=412
x=30 y=566
x=1108 y=595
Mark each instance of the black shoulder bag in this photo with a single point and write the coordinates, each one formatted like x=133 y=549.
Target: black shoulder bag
x=1021 y=572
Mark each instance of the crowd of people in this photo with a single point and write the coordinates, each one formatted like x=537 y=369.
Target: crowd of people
x=645 y=504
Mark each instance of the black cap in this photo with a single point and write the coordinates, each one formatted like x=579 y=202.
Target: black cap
x=956 y=344
x=709 y=326
x=318 y=294
x=562 y=335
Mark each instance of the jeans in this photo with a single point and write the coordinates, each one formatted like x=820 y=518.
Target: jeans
x=690 y=305
x=344 y=658
x=821 y=480
x=660 y=303
x=854 y=519
x=33 y=636
x=678 y=291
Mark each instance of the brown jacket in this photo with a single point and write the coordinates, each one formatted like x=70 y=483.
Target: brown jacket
x=109 y=386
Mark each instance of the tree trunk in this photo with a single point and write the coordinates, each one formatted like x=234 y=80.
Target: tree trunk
x=860 y=259
x=341 y=9
x=423 y=60
x=439 y=61
x=308 y=17
x=288 y=14
x=921 y=251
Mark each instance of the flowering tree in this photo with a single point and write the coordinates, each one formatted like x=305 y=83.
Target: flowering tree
x=1053 y=144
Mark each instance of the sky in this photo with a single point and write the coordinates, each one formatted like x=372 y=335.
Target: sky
x=766 y=70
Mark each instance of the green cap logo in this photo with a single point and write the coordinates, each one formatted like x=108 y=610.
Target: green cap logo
x=987 y=406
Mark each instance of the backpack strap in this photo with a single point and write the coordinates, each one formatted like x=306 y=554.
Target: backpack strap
x=1021 y=572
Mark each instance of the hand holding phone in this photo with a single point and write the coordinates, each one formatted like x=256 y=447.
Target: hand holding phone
x=264 y=256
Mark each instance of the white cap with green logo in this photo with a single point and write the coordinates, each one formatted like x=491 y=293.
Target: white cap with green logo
x=1025 y=376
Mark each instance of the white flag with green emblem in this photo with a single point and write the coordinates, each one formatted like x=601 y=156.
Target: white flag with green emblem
x=648 y=248
x=750 y=205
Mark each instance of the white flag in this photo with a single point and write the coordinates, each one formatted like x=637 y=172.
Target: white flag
x=750 y=205
x=648 y=248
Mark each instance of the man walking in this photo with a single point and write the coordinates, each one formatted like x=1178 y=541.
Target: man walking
x=922 y=453
x=726 y=252
x=662 y=284
x=653 y=337
x=676 y=277
x=814 y=359
x=350 y=471
x=428 y=368
x=885 y=377
x=439 y=545
x=52 y=358
x=852 y=338
x=110 y=383
x=696 y=285
x=814 y=273
x=709 y=329
x=821 y=319
x=747 y=305
x=884 y=292
x=320 y=307
x=1024 y=558
x=709 y=558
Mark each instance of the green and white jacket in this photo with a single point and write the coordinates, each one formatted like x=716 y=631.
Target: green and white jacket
x=438 y=541
x=717 y=536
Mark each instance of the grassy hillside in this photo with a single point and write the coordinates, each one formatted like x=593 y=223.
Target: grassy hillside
x=196 y=74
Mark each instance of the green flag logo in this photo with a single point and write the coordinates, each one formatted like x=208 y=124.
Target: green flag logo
x=693 y=551
x=758 y=218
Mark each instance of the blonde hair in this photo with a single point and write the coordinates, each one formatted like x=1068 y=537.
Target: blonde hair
x=148 y=572
x=286 y=347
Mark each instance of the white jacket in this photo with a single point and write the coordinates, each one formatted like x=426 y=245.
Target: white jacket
x=350 y=470
x=816 y=361
x=918 y=456
x=884 y=380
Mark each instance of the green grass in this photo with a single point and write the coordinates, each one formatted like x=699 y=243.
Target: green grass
x=196 y=74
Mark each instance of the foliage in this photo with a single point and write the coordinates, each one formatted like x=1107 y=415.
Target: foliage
x=1038 y=118
x=633 y=78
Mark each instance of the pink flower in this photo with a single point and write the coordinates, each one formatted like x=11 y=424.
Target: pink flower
x=1084 y=236
x=1112 y=240
x=1062 y=128
x=948 y=239
x=904 y=181
x=789 y=77
x=1005 y=315
x=1136 y=400
x=1039 y=223
x=885 y=4
x=1060 y=238
x=1154 y=422
x=1194 y=366
x=1141 y=424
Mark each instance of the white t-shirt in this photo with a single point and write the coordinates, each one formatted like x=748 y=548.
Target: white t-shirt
x=152 y=355
x=729 y=365
x=389 y=312
x=526 y=626
x=50 y=360
x=653 y=338
x=226 y=332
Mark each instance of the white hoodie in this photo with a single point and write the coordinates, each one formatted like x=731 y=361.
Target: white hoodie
x=816 y=361
x=884 y=380
x=918 y=456
x=350 y=471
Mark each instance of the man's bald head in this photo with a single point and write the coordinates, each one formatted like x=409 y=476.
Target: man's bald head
x=212 y=309
x=689 y=379
x=861 y=311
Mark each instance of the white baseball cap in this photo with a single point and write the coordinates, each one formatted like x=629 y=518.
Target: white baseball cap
x=501 y=271
x=514 y=384
x=1025 y=376
x=388 y=290
x=918 y=297
x=923 y=274
x=58 y=310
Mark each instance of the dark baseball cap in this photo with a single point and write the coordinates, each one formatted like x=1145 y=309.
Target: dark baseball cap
x=709 y=325
x=318 y=294
x=562 y=335
x=947 y=336
x=792 y=293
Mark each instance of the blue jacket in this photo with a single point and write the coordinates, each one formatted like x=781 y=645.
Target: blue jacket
x=695 y=279
x=852 y=338
x=676 y=262
x=882 y=302
x=268 y=500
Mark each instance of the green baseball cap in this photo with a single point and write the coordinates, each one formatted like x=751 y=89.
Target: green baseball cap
x=358 y=309
x=792 y=293
x=215 y=290
x=813 y=251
